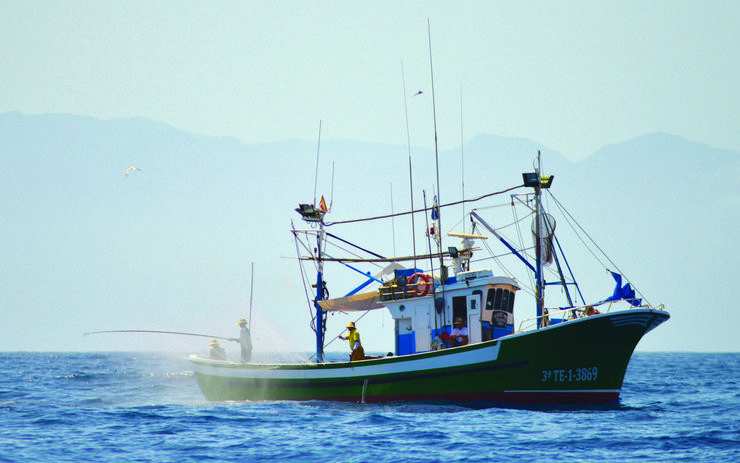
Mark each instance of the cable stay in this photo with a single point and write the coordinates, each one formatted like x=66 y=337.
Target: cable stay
x=425 y=209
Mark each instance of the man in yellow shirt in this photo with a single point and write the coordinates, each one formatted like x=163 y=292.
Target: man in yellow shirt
x=357 y=352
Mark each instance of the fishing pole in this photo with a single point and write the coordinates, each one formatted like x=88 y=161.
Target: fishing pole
x=162 y=332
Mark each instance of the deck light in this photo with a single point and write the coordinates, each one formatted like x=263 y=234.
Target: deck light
x=531 y=180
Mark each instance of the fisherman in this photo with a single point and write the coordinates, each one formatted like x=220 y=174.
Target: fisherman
x=245 y=341
x=591 y=311
x=357 y=352
x=459 y=335
x=215 y=351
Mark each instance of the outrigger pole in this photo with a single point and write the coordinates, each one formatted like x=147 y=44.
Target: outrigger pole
x=442 y=272
x=161 y=332
x=411 y=178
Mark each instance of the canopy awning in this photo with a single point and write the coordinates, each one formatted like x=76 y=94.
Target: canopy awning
x=355 y=303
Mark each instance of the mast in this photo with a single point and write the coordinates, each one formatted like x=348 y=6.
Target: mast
x=539 y=292
x=320 y=322
x=538 y=181
x=312 y=215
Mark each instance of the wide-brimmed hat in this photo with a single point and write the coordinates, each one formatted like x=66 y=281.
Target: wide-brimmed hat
x=213 y=342
x=458 y=320
x=242 y=321
x=351 y=325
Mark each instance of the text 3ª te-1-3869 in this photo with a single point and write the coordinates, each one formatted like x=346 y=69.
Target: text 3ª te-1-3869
x=570 y=375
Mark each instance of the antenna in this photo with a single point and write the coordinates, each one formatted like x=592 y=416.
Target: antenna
x=411 y=178
x=462 y=157
x=316 y=176
x=443 y=277
x=331 y=198
x=393 y=225
x=251 y=292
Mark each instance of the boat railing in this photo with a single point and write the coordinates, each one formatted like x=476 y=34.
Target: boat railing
x=580 y=312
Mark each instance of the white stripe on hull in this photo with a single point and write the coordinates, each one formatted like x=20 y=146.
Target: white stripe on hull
x=353 y=370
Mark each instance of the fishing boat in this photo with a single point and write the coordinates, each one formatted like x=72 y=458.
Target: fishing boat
x=575 y=353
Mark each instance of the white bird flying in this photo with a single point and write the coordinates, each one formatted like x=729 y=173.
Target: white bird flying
x=130 y=168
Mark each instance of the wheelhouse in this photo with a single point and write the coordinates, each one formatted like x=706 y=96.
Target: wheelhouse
x=484 y=302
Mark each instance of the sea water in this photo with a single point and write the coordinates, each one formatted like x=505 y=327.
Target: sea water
x=147 y=407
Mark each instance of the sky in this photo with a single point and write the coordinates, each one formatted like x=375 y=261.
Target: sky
x=574 y=75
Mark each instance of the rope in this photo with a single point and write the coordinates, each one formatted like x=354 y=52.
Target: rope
x=425 y=209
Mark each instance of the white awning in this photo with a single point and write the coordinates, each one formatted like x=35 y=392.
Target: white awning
x=355 y=303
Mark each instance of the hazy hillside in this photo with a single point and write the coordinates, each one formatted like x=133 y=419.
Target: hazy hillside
x=169 y=247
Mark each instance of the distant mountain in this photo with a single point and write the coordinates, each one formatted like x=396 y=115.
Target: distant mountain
x=85 y=247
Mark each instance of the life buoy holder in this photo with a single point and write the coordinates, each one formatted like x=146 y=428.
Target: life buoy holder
x=423 y=287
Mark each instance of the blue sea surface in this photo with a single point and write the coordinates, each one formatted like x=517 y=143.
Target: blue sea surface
x=144 y=407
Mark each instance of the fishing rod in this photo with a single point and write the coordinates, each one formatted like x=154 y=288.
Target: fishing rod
x=162 y=332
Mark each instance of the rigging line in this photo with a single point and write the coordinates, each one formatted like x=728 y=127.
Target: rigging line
x=506 y=271
x=576 y=227
x=343 y=249
x=516 y=221
x=341 y=332
x=492 y=206
x=411 y=178
x=458 y=223
x=305 y=245
x=390 y=260
x=519 y=234
x=497 y=259
x=462 y=155
x=344 y=260
x=303 y=279
x=354 y=245
x=568 y=214
x=425 y=209
x=316 y=176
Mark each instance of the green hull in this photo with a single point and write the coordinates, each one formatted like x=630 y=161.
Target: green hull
x=576 y=362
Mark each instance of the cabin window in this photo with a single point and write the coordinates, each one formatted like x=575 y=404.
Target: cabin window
x=501 y=302
x=497 y=300
x=500 y=299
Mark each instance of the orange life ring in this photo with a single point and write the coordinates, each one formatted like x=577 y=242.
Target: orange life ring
x=422 y=288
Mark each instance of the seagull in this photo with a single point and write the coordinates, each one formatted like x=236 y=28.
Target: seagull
x=130 y=169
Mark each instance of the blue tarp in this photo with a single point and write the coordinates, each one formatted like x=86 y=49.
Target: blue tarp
x=407 y=272
x=623 y=292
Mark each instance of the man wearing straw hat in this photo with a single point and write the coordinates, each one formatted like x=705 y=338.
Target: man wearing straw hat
x=358 y=353
x=215 y=351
